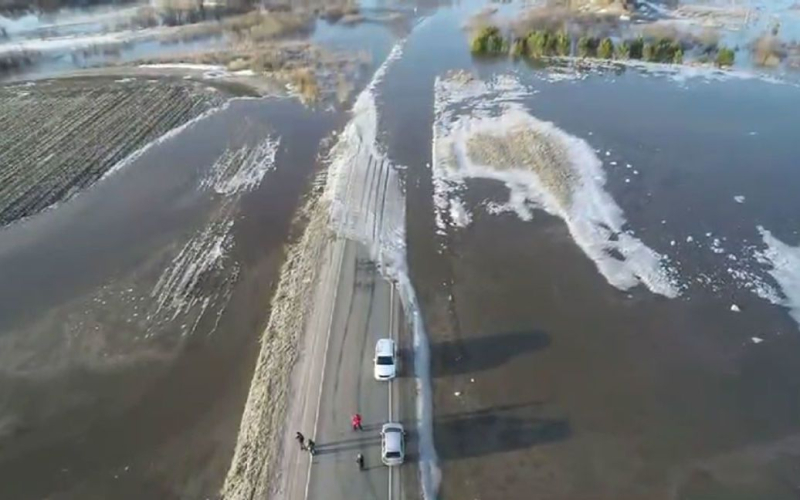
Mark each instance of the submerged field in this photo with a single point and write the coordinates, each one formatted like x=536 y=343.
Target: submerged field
x=59 y=137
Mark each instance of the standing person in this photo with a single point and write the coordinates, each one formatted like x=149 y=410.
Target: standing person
x=360 y=461
x=312 y=447
x=301 y=439
x=357 y=423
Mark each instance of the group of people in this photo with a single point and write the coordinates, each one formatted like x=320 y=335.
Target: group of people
x=311 y=447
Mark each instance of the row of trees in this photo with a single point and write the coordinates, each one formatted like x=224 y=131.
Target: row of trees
x=538 y=44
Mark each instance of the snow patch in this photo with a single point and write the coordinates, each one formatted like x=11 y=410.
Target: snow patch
x=198 y=280
x=573 y=191
x=242 y=169
x=194 y=67
x=459 y=214
x=784 y=266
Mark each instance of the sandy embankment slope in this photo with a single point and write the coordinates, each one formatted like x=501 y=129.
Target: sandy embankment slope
x=254 y=469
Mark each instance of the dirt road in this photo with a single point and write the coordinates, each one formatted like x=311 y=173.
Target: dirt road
x=361 y=307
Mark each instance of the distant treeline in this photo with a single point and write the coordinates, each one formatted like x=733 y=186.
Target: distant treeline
x=539 y=44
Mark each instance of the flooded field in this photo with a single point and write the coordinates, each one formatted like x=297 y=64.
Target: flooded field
x=58 y=137
x=116 y=302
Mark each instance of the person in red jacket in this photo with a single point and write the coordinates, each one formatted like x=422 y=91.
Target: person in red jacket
x=357 y=422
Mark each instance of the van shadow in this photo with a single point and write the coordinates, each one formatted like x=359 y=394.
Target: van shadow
x=495 y=430
x=458 y=357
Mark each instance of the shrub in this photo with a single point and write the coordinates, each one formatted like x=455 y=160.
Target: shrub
x=606 y=49
x=725 y=57
x=637 y=48
x=563 y=44
x=488 y=41
x=478 y=45
x=623 y=50
x=497 y=45
x=677 y=57
x=586 y=46
x=664 y=50
x=518 y=47
x=538 y=44
x=768 y=51
x=676 y=48
x=649 y=52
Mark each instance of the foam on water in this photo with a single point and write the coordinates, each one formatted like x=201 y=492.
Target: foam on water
x=368 y=205
x=466 y=109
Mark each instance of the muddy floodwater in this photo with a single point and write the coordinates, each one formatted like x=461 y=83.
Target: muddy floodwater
x=606 y=260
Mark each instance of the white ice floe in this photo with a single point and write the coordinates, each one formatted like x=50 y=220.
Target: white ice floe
x=735 y=308
x=241 y=169
x=197 y=280
x=368 y=205
x=751 y=279
x=757 y=340
x=739 y=199
x=716 y=246
x=466 y=109
x=783 y=263
x=459 y=214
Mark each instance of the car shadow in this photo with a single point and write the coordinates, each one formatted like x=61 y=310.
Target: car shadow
x=458 y=357
x=348 y=445
x=496 y=430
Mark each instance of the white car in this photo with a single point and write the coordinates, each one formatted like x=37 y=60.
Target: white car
x=385 y=359
x=393 y=444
